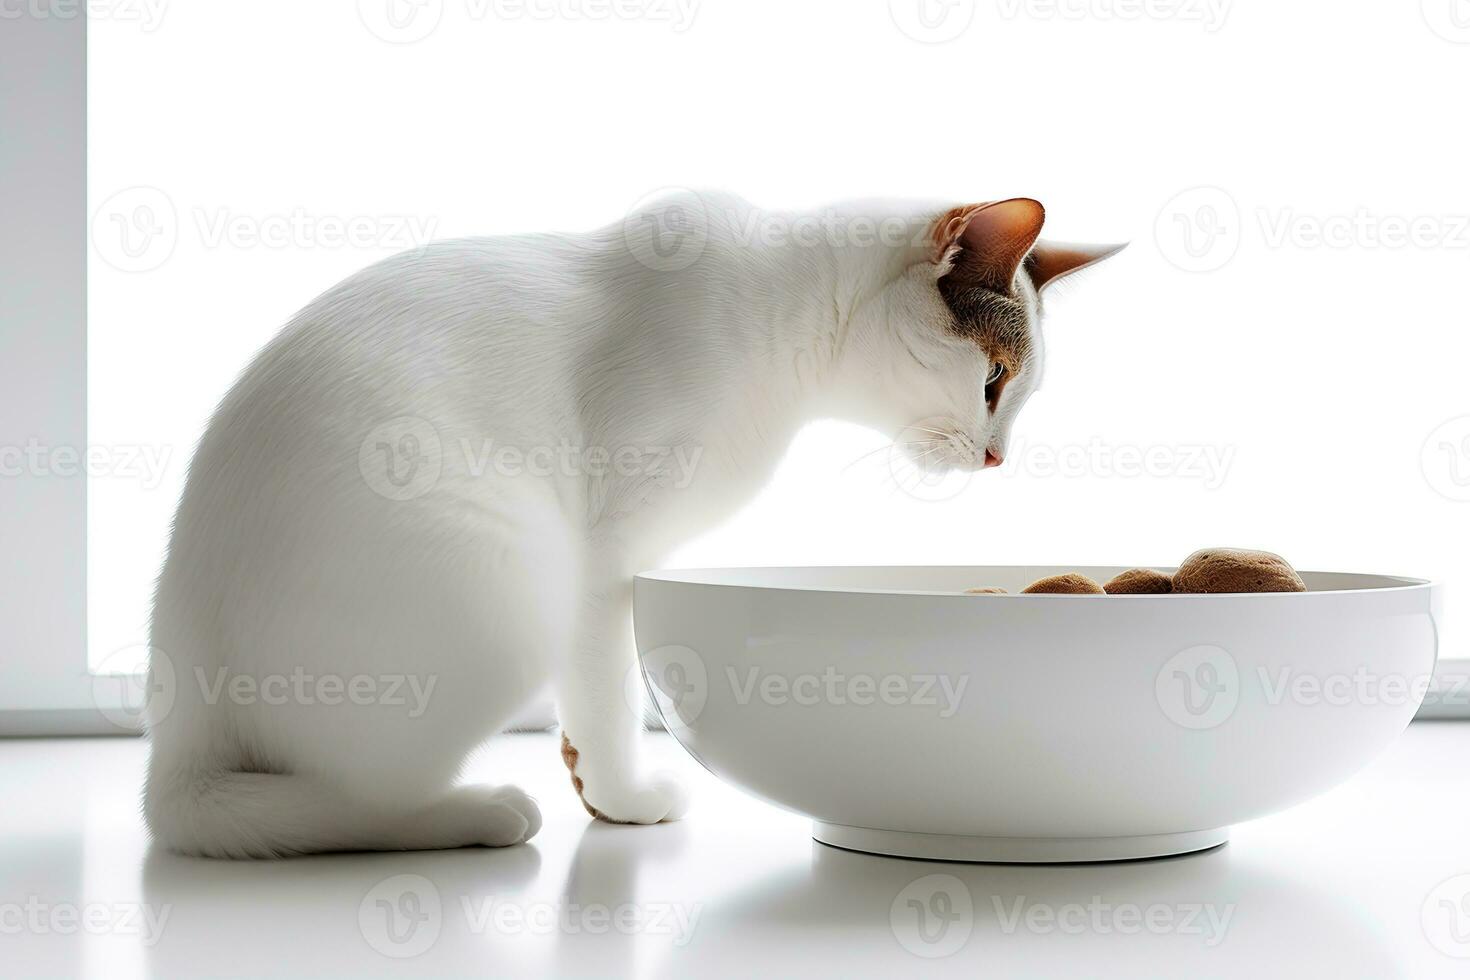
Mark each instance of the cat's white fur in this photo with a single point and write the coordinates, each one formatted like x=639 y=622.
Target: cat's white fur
x=294 y=573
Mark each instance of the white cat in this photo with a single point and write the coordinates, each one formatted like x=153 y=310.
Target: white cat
x=423 y=503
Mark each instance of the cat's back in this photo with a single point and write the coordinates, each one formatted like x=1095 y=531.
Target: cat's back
x=450 y=321
x=463 y=334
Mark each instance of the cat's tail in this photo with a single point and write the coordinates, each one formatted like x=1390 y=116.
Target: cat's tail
x=246 y=814
x=229 y=814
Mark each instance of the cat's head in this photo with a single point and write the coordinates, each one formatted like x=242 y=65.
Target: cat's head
x=954 y=342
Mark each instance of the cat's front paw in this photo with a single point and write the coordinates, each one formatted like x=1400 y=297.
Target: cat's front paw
x=661 y=798
x=613 y=798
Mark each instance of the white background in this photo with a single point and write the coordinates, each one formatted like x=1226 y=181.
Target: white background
x=1323 y=374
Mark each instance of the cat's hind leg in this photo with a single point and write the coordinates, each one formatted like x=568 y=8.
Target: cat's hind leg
x=411 y=651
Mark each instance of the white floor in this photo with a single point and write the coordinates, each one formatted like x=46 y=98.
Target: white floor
x=1372 y=880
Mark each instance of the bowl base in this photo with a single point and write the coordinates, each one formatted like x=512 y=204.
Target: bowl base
x=1015 y=850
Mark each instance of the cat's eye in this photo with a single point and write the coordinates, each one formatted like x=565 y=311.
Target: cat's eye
x=995 y=374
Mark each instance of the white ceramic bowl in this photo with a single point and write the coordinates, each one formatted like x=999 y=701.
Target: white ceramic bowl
x=905 y=717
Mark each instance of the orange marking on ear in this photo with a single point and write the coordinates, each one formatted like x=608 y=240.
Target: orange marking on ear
x=946 y=229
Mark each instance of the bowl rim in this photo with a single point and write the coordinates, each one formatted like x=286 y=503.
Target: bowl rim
x=690 y=577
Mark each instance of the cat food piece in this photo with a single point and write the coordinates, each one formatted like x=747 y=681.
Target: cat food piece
x=1139 y=581
x=1068 y=584
x=988 y=590
x=1234 y=570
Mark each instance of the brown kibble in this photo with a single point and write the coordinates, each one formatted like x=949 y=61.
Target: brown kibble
x=1139 y=581
x=1235 y=570
x=988 y=590
x=1068 y=584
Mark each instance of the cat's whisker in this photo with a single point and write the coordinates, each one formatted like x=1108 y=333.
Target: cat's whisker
x=888 y=469
x=916 y=473
x=907 y=486
x=889 y=447
x=896 y=471
x=899 y=469
x=929 y=452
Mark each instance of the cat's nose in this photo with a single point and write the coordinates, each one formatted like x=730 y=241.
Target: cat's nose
x=993 y=458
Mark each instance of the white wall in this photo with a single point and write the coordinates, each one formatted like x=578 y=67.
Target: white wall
x=42 y=347
x=1327 y=376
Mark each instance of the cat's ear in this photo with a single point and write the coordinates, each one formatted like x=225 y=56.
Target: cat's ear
x=1050 y=261
x=982 y=245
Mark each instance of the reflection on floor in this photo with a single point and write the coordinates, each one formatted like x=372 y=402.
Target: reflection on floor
x=1364 y=882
